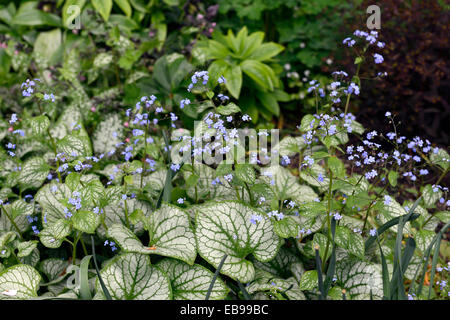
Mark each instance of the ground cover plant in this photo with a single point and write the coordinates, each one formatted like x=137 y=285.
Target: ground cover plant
x=164 y=186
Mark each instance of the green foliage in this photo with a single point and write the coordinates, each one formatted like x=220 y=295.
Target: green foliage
x=244 y=59
x=93 y=155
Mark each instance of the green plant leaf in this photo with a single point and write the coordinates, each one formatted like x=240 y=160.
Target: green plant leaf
x=423 y=239
x=33 y=173
x=21 y=207
x=269 y=102
x=52 y=208
x=126 y=239
x=53 y=234
x=47 y=45
x=392 y=177
x=286 y=227
x=233 y=74
x=130 y=276
x=441 y=158
x=430 y=197
x=29 y=15
x=225 y=228
x=191 y=282
x=265 y=281
x=103 y=7
x=125 y=6
x=245 y=172
x=39 y=125
x=350 y=240
x=74 y=144
x=260 y=73
x=170 y=232
x=228 y=109
x=19 y=282
x=86 y=221
x=360 y=278
x=336 y=166
x=266 y=51
x=309 y=280
x=286 y=185
x=25 y=248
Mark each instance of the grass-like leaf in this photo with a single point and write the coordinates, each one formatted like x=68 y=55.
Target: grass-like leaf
x=102 y=284
x=85 y=291
x=216 y=274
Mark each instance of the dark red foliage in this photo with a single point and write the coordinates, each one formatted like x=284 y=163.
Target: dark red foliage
x=416 y=55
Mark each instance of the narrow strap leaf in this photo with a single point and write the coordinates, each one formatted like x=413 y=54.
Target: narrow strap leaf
x=385 y=272
x=332 y=266
x=319 y=275
x=216 y=274
x=437 y=238
x=436 y=256
x=390 y=223
x=85 y=291
x=102 y=284
x=244 y=292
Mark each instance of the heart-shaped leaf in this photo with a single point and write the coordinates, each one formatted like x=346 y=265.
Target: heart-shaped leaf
x=130 y=276
x=225 y=228
x=19 y=282
x=191 y=282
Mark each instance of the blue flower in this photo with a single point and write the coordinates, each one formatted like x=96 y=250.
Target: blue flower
x=378 y=58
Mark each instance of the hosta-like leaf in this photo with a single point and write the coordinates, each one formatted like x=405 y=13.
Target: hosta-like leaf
x=265 y=281
x=130 y=276
x=108 y=133
x=49 y=197
x=33 y=173
x=191 y=282
x=311 y=176
x=245 y=172
x=91 y=189
x=359 y=278
x=19 y=282
x=225 y=228
x=53 y=235
x=103 y=7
